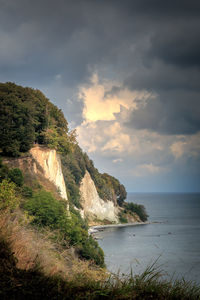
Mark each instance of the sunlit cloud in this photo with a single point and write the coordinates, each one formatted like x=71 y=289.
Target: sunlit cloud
x=186 y=146
x=177 y=148
x=135 y=153
x=100 y=103
x=119 y=144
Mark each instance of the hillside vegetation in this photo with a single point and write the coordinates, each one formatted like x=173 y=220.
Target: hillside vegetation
x=47 y=213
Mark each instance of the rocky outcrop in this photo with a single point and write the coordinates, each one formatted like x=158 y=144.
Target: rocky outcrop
x=93 y=206
x=49 y=161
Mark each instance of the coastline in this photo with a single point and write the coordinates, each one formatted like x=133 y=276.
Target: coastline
x=97 y=228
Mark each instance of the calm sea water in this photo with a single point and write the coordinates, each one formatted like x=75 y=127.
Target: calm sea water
x=175 y=242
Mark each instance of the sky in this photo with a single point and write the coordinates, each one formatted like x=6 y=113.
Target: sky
x=126 y=75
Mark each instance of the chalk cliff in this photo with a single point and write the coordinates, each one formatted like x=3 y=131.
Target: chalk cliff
x=50 y=163
x=93 y=206
x=45 y=163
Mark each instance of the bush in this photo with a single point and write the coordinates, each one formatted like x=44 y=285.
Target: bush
x=27 y=192
x=3 y=172
x=91 y=250
x=8 y=198
x=16 y=176
x=45 y=209
x=138 y=209
x=122 y=218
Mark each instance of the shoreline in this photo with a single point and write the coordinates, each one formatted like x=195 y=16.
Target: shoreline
x=97 y=228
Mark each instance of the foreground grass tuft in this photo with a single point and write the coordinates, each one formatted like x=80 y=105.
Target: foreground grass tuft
x=32 y=268
x=34 y=284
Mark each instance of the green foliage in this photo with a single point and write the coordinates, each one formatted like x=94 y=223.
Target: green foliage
x=8 y=198
x=3 y=171
x=74 y=166
x=27 y=192
x=91 y=250
x=27 y=117
x=74 y=163
x=16 y=122
x=122 y=218
x=47 y=211
x=138 y=209
x=16 y=176
x=54 y=138
x=119 y=189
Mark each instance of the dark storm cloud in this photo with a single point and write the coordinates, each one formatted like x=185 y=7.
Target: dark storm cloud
x=169 y=114
x=170 y=67
x=178 y=45
x=151 y=44
x=49 y=36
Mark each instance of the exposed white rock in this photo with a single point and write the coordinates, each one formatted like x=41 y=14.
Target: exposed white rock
x=93 y=205
x=50 y=163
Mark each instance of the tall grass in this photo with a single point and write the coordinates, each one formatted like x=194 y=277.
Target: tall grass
x=32 y=248
x=25 y=258
x=33 y=282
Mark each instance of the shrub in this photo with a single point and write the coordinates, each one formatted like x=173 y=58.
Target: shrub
x=45 y=209
x=138 y=209
x=16 y=176
x=8 y=198
x=91 y=250
x=27 y=191
x=122 y=218
x=3 y=172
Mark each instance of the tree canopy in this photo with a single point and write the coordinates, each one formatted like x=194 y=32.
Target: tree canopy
x=28 y=117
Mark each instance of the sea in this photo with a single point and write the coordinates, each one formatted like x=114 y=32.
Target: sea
x=170 y=242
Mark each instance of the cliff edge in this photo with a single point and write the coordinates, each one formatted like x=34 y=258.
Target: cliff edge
x=94 y=208
x=50 y=162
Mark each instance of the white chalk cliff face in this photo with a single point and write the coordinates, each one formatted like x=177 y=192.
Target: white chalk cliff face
x=50 y=163
x=93 y=205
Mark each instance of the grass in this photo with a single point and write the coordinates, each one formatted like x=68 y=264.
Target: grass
x=25 y=257
x=33 y=283
x=32 y=247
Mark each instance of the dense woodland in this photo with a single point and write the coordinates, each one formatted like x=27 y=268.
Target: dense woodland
x=28 y=117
